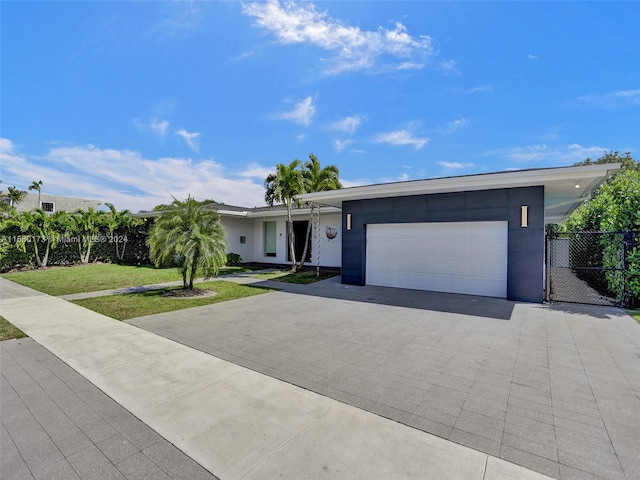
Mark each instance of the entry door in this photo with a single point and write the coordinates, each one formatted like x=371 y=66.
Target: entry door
x=460 y=257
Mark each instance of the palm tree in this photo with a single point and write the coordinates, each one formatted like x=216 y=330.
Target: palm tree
x=190 y=234
x=282 y=187
x=41 y=230
x=86 y=226
x=36 y=186
x=15 y=195
x=119 y=221
x=317 y=179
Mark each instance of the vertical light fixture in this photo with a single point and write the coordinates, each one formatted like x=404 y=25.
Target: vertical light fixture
x=524 y=216
x=348 y=221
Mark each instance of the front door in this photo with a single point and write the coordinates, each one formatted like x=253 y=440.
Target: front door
x=299 y=232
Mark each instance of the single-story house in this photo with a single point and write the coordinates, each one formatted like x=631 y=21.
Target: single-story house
x=478 y=234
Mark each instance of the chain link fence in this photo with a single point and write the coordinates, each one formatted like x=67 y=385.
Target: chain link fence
x=596 y=268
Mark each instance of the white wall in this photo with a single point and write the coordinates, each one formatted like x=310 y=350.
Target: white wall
x=330 y=250
x=235 y=228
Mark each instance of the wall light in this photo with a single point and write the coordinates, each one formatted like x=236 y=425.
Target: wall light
x=577 y=185
x=348 y=221
x=524 y=216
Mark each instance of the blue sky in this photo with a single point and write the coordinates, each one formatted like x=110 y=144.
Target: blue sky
x=132 y=102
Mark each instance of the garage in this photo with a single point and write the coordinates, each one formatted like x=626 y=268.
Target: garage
x=455 y=257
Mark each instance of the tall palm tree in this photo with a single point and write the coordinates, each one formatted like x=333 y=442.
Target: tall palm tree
x=317 y=179
x=36 y=186
x=282 y=187
x=190 y=234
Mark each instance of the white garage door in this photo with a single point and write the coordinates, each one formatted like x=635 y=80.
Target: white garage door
x=461 y=257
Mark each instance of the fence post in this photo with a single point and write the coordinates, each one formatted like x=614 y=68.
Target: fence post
x=547 y=273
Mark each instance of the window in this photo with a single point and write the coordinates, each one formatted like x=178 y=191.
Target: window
x=269 y=239
x=48 y=207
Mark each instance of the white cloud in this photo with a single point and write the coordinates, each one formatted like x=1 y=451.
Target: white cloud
x=480 y=89
x=256 y=171
x=455 y=125
x=347 y=124
x=448 y=66
x=454 y=165
x=618 y=98
x=127 y=179
x=533 y=57
x=302 y=112
x=353 y=48
x=191 y=138
x=159 y=127
x=557 y=155
x=155 y=126
x=340 y=145
x=400 y=138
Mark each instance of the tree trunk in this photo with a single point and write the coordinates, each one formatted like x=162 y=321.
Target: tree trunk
x=306 y=240
x=121 y=255
x=194 y=268
x=292 y=242
x=184 y=277
x=35 y=248
x=45 y=259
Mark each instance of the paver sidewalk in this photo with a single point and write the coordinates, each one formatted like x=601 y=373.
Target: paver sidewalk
x=57 y=424
x=233 y=421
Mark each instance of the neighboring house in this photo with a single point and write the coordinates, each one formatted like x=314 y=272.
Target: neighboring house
x=53 y=203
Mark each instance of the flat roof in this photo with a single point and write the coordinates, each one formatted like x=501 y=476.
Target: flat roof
x=564 y=187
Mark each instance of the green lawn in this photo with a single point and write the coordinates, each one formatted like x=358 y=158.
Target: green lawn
x=132 y=305
x=91 y=278
x=635 y=314
x=8 y=331
x=305 y=277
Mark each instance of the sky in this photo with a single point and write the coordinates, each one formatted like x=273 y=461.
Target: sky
x=132 y=103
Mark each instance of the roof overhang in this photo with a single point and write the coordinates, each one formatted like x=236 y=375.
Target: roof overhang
x=564 y=187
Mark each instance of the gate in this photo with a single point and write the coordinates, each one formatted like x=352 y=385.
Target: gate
x=589 y=267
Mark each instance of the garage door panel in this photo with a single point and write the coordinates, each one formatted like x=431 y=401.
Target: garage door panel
x=458 y=257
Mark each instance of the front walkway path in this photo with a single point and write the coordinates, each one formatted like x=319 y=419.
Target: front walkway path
x=235 y=422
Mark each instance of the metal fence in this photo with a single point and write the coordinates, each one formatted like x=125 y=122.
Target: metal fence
x=596 y=268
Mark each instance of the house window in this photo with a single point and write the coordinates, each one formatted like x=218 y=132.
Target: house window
x=48 y=206
x=269 y=239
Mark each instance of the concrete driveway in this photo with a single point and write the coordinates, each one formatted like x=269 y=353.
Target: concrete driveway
x=555 y=389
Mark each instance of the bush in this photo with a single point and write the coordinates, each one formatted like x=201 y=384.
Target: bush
x=233 y=259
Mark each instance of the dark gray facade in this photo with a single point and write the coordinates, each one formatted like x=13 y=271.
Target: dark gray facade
x=526 y=245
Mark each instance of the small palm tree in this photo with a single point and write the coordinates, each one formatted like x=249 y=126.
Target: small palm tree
x=36 y=186
x=190 y=235
x=317 y=179
x=282 y=187
x=119 y=221
x=15 y=195
x=41 y=230
x=86 y=225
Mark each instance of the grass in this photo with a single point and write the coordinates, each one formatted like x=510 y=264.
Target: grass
x=132 y=305
x=90 y=278
x=304 y=277
x=8 y=331
x=635 y=314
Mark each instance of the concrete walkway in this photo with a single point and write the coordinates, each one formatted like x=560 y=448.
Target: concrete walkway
x=233 y=421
